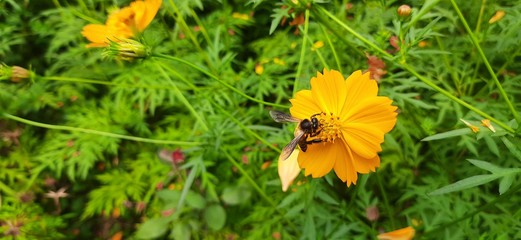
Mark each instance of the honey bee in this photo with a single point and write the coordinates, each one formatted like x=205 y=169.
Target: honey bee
x=306 y=128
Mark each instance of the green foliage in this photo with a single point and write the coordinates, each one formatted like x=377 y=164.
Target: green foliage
x=180 y=145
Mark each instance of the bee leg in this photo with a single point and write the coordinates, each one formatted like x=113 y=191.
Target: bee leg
x=314 y=141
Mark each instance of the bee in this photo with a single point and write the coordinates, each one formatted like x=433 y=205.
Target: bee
x=306 y=128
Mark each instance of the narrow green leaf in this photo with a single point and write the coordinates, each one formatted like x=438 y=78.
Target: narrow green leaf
x=152 y=228
x=512 y=148
x=491 y=144
x=465 y=184
x=505 y=183
x=486 y=166
x=449 y=134
x=215 y=217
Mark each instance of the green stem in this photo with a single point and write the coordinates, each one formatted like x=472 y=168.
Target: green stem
x=96 y=132
x=485 y=61
x=81 y=80
x=389 y=210
x=302 y=54
x=413 y=72
x=182 y=23
x=182 y=98
x=247 y=130
x=158 y=55
x=333 y=50
x=259 y=190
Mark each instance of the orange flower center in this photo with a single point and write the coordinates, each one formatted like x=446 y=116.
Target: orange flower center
x=330 y=127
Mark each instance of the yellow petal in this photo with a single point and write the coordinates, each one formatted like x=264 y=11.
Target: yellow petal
x=359 y=86
x=96 y=33
x=406 y=233
x=288 y=170
x=345 y=170
x=364 y=165
x=145 y=11
x=303 y=105
x=497 y=16
x=320 y=158
x=376 y=111
x=329 y=91
x=363 y=139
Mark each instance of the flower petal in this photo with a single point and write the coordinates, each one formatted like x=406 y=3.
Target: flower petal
x=345 y=170
x=376 y=111
x=360 y=86
x=288 y=170
x=145 y=11
x=363 y=139
x=303 y=105
x=96 y=33
x=406 y=233
x=320 y=158
x=329 y=91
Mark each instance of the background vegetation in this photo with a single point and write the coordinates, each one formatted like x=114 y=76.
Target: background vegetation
x=96 y=148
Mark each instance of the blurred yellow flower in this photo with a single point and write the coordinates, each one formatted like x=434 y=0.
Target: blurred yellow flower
x=279 y=61
x=317 y=45
x=353 y=121
x=471 y=126
x=498 y=16
x=486 y=123
x=406 y=233
x=288 y=170
x=241 y=16
x=259 y=69
x=122 y=23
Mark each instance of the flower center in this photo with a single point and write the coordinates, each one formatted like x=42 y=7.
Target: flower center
x=330 y=126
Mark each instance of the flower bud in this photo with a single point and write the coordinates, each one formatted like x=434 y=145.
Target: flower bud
x=404 y=10
x=126 y=49
x=14 y=73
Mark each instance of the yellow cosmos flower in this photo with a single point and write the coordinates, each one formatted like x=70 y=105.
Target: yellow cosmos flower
x=406 y=233
x=353 y=121
x=122 y=24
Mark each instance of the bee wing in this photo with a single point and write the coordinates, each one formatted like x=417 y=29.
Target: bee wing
x=288 y=149
x=279 y=116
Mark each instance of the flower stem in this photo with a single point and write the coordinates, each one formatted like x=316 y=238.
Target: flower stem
x=158 y=55
x=96 y=132
x=302 y=54
x=178 y=16
x=389 y=210
x=247 y=130
x=485 y=61
x=407 y=67
x=182 y=98
x=257 y=188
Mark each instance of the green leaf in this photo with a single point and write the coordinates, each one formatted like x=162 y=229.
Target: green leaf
x=505 y=183
x=215 y=217
x=449 y=134
x=152 y=228
x=180 y=231
x=277 y=17
x=195 y=200
x=486 y=166
x=465 y=184
x=512 y=148
x=167 y=195
x=235 y=195
x=491 y=144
